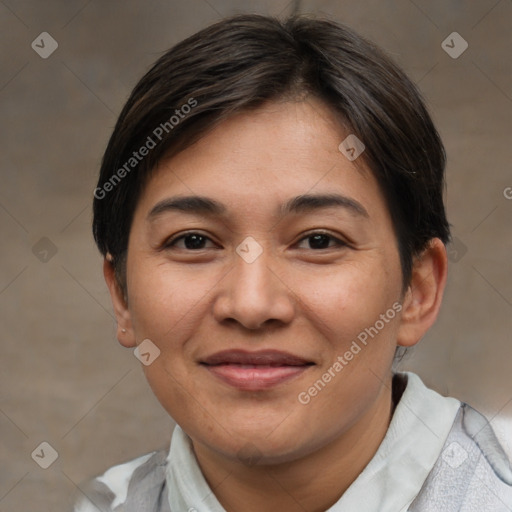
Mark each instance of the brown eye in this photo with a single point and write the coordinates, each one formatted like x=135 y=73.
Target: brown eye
x=191 y=241
x=322 y=241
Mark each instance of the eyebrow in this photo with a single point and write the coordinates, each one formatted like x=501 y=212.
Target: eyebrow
x=310 y=202
x=200 y=205
x=188 y=204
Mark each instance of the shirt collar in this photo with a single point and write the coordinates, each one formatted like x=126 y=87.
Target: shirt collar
x=389 y=483
x=413 y=442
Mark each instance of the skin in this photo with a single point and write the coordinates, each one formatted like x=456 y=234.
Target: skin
x=311 y=302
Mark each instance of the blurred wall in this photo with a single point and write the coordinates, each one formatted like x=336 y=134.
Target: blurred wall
x=64 y=378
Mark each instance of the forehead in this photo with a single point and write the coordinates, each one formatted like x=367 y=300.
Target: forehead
x=265 y=157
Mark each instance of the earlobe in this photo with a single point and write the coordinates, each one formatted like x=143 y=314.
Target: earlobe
x=125 y=334
x=424 y=296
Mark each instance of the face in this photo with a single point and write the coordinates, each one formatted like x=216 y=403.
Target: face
x=254 y=292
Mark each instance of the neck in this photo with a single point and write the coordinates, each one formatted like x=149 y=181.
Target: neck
x=312 y=483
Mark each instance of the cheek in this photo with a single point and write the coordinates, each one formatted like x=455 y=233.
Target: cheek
x=344 y=302
x=167 y=307
x=164 y=303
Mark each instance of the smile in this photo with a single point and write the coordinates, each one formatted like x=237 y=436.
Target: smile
x=252 y=371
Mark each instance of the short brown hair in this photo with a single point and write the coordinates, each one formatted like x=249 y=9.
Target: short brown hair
x=242 y=62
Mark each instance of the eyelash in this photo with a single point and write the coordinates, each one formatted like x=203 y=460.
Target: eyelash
x=170 y=244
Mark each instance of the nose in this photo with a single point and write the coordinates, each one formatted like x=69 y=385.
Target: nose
x=253 y=295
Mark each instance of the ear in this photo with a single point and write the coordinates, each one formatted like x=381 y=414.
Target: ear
x=123 y=317
x=425 y=293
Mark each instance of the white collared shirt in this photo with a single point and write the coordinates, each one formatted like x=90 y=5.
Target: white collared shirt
x=389 y=483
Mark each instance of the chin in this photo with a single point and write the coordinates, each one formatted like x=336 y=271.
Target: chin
x=260 y=451
x=259 y=445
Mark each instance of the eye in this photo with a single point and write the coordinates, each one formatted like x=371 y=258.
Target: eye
x=191 y=241
x=319 y=240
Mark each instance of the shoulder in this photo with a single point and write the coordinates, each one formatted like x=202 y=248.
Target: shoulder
x=137 y=485
x=472 y=469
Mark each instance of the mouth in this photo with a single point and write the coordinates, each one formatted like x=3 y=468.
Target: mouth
x=253 y=371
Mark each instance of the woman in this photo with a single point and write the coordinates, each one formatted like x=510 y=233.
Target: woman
x=271 y=215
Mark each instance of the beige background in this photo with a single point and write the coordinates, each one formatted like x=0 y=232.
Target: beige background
x=64 y=379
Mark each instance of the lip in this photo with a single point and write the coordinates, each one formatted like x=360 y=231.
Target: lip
x=252 y=371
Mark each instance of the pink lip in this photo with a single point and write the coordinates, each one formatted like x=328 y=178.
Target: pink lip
x=253 y=371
